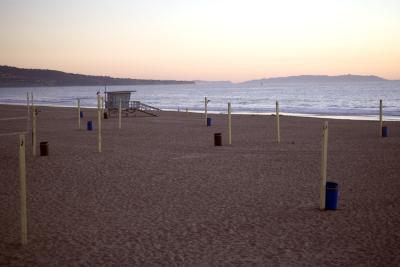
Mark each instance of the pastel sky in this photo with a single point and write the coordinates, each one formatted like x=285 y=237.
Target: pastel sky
x=207 y=40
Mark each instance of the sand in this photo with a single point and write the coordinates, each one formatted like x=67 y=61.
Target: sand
x=161 y=194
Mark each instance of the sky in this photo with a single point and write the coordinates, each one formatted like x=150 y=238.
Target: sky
x=203 y=40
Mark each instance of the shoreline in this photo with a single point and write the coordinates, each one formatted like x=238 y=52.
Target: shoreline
x=300 y=115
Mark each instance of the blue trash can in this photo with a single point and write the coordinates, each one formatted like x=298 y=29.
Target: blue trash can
x=208 y=121
x=384 y=131
x=81 y=114
x=331 y=196
x=89 y=126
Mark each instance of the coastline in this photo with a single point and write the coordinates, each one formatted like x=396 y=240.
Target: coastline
x=160 y=193
x=301 y=115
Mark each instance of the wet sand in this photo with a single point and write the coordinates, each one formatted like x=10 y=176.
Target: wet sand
x=161 y=194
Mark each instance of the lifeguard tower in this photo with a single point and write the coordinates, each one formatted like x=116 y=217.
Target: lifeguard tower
x=114 y=98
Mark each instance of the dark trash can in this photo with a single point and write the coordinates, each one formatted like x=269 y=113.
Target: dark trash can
x=208 y=121
x=44 y=148
x=89 y=126
x=105 y=115
x=331 y=196
x=384 y=131
x=217 y=139
x=81 y=114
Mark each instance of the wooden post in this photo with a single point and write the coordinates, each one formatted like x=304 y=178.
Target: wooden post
x=79 y=114
x=278 y=130
x=324 y=161
x=380 y=117
x=187 y=112
x=34 y=131
x=22 y=178
x=32 y=111
x=229 y=124
x=99 y=122
x=119 y=113
x=102 y=105
x=205 y=109
x=28 y=117
x=27 y=104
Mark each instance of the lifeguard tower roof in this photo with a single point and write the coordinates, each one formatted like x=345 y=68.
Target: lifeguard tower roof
x=120 y=92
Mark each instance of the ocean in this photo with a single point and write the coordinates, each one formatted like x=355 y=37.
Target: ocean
x=330 y=100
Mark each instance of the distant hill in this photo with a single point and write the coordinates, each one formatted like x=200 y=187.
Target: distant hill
x=318 y=78
x=201 y=82
x=18 y=77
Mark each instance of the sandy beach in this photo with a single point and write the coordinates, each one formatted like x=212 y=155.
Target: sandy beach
x=161 y=193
